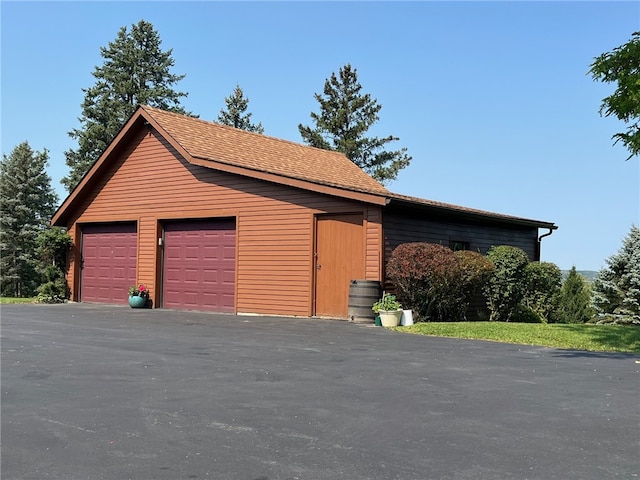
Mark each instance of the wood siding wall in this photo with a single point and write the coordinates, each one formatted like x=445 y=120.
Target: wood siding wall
x=401 y=227
x=150 y=182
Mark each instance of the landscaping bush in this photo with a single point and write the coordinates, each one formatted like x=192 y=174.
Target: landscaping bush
x=55 y=289
x=543 y=290
x=476 y=269
x=575 y=299
x=506 y=287
x=426 y=276
x=52 y=246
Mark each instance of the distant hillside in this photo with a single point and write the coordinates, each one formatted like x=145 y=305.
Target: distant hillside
x=588 y=274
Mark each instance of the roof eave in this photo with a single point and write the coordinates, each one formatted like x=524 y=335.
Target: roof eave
x=358 y=195
x=60 y=216
x=475 y=215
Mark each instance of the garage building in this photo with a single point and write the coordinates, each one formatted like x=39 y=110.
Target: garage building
x=214 y=218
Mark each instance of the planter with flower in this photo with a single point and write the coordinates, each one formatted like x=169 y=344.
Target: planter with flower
x=138 y=296
x=389 y=309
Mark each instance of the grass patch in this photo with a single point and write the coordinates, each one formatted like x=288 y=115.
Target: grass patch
x=594 y=338
x=16 y=300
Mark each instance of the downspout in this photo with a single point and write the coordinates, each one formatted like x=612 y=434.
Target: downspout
x=551 y=229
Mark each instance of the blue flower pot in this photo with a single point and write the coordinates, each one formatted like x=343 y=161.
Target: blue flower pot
x=137 y=302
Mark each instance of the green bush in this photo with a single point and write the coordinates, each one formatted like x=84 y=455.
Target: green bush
x=476 y=269
x=524 y=314
x=55 y=289
x=53 y=244
x=543 y=290
x=506 y=287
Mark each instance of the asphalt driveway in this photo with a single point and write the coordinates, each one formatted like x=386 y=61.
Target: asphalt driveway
x=99 y=392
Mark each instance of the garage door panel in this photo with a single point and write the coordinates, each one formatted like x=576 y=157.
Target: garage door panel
x=199 y=265
x=108 y=262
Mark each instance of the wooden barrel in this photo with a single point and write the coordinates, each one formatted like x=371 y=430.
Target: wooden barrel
x=362 y=295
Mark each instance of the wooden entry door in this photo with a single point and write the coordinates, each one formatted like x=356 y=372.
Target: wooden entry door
x=339 y=258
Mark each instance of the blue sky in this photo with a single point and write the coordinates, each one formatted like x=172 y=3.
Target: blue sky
x=492 y=99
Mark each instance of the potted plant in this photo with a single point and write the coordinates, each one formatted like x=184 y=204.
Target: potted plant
x=389 y=309
x=138 y=296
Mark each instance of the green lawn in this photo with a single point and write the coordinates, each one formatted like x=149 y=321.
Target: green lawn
x=16 y=300
x=595 y=338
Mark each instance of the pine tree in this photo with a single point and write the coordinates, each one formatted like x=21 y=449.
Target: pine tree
x=27 y=203
x=616 y=289
x=235 y=116
x=575 y=299
x=345 y=116
x=135 y=72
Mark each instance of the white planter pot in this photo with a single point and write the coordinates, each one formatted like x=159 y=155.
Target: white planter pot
x=390 y=318
x=407 y=318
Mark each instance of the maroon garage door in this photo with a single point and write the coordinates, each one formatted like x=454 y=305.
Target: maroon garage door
x=108 y=262
x=199 y=265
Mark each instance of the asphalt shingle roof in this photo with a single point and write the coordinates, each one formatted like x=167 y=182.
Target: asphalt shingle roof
x=220 y=143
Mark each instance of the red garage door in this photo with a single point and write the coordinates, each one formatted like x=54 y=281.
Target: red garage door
x=199 y=265
x=108 y=262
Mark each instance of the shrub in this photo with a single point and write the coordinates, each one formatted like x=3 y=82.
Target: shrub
x=575 y=299
x=508 y=283
x=53 y=244
x=55 y=289
x=425 y=275
x=543 y=290
x=476 y=269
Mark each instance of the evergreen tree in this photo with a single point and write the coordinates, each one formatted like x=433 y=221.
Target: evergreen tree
x=622 y=66
x=345 y=116
x=27 y=203
x=135 y=72
x=235 y=116
x=575 y=299
x=616 y=289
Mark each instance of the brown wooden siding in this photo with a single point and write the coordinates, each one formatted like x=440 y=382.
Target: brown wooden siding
x=404 y=227
x=373 y=252
x=149 y=182
x=401 y=228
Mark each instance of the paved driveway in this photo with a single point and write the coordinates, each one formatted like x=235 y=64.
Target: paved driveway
x=98 y=392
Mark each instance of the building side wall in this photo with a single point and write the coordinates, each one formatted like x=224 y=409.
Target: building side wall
x=149 y=182
x=401 y=228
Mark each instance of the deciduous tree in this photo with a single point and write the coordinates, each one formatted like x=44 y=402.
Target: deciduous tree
x=622 y=66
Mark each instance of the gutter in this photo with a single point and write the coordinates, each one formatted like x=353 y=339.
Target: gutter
x=538 y=246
